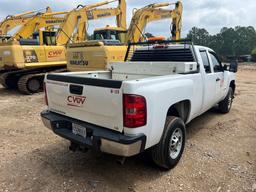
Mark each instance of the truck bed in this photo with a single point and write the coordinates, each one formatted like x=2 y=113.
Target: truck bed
x=138 y=70
x=96 y=96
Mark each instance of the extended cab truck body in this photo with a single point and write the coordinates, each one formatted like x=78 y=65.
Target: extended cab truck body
x=140 y=104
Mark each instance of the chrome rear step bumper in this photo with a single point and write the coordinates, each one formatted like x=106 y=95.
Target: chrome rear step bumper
x=97 y=138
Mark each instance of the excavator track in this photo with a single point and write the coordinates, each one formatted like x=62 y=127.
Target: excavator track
x=29 y=84
x=6 y=81
x=3 y=77
x=32 y=83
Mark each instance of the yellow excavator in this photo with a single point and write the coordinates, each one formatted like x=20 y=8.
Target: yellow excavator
x=10 y=50
x=78 y=19
x=111 y=45
x=13 y=21
x=29 y=62
x=27 y=47
x=39 y=23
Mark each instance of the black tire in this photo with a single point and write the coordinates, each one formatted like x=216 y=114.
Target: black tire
x=226 y=104
x=161 y=153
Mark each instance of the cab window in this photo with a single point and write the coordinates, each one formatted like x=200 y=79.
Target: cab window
x=113 y=37
x=206 y=62
x=216 y=64
x=100 y=35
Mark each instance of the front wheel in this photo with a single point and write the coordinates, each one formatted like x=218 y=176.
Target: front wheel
x=168 y=151
x=226 y=104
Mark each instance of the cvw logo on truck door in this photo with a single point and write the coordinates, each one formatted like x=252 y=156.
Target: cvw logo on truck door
x=75 y=101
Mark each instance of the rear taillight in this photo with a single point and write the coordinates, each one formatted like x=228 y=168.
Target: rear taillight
x=135 y=111
x=45 y=95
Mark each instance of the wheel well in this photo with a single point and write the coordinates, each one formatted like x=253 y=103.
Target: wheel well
x=180 y=109
x=233 y=85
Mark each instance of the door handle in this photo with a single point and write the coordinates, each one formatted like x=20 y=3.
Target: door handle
x=218 y=79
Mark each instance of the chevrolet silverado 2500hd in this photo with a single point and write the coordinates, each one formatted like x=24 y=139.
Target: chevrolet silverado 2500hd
x=143 y=103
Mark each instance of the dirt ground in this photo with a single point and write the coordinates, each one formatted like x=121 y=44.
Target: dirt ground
x=220 y=153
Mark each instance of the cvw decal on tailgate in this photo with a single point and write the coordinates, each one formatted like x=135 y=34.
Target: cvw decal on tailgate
x=75 y=101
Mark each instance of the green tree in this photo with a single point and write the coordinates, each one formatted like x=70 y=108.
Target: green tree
x=246 y=41
x=216 y=43
x=199 y=36
x=228 y=42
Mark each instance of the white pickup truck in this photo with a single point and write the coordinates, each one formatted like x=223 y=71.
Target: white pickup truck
x=141 y=104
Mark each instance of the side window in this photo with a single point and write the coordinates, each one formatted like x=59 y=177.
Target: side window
x=215 y=63
x=113 y=37
x=206 y=62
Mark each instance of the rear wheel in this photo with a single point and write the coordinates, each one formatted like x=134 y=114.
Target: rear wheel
x=226 y=104
x=168 y=151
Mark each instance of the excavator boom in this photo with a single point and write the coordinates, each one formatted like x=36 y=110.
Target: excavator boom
x=154 y=12
x=13 y=21
x=76 y=21
x=22 y=14
x=38 y=22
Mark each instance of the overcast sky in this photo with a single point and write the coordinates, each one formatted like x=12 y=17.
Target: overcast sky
x=209 y=14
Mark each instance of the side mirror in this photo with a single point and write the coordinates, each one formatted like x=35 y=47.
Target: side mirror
x=233 y=66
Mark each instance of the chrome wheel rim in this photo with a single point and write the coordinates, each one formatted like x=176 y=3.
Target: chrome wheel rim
x=175 y=143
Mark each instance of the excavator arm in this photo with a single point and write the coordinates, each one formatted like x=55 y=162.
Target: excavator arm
x=95 y=14
x=13 y=21
x=152 y=13
x=48 y=20
x=78 y=18
x=119 y=12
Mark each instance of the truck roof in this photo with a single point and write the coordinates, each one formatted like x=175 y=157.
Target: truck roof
x=203 y=48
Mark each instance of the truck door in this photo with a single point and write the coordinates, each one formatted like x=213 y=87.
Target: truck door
x=209 y=82
x=218 y=73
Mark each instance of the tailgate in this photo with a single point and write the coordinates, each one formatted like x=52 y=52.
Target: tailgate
x=96 y=101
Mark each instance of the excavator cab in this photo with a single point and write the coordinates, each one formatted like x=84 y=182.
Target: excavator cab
x=49 y=37
x=4 y=38
x=46 y=37
x=114 y=34
x=41 y=38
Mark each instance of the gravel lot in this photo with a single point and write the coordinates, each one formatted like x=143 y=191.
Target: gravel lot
x=220 y=154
